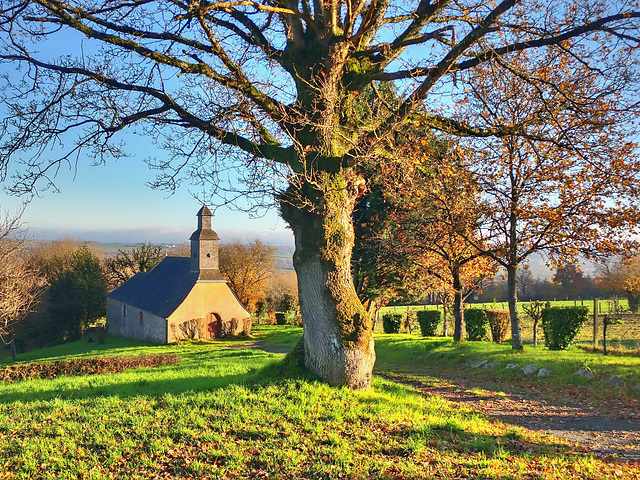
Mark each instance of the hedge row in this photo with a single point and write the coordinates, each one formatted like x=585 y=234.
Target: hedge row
x=562 y=324
x=83 y=366
x=391 y=322
x=499 y=321
x=429 y=321
x=476 y=323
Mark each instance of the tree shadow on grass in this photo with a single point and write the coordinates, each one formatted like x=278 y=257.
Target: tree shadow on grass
x=196 y=372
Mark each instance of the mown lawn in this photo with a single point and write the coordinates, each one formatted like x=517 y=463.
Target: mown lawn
x=412 y=354
x=227 y=411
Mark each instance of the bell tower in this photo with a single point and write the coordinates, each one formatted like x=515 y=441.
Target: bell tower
x=204 y=248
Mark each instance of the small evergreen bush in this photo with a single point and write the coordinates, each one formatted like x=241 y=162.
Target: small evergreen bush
x=499 y=324
x=476 y=324
x=391 y=322
x=429 y=321
x=281 y=318
x=561 y=325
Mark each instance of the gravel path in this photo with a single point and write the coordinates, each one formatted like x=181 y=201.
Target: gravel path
x=602 y=435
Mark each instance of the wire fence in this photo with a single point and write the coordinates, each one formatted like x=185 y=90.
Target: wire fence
x=620 y=336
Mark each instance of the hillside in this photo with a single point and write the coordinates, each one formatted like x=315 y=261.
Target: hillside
x=231 y=409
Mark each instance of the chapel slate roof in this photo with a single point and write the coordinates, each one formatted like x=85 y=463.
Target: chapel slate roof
x=161 y=290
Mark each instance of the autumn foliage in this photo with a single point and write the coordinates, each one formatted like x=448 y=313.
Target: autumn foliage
x=247 y=268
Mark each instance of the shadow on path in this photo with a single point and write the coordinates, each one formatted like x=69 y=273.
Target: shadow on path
x=598 y=434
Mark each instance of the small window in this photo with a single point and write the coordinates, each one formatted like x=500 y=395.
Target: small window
x=208 y=255
x=124 y=312
x=141 y=316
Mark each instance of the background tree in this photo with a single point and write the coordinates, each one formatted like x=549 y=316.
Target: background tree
x=568 y=184
x=247 y=267
x=421 y=226
x=622 y=277
x=280 y=284
x=78 y=296
x=76 y=293
x=256 y=98
x=571 y=279
x=526 y=283
x=21 y=284
x=125 y=264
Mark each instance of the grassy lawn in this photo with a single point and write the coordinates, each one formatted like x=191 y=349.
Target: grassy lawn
x=412 y=354
x=227 y=411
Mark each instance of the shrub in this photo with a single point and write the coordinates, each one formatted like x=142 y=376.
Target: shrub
x=476 y=324
x=561 y=325
x=429 y=321
x=634 y=302
x=191 y=329
x=83 y=366
x=391 y=322
x=499 y=324
x=247 y=324
x=409 y=321
x=281 y=318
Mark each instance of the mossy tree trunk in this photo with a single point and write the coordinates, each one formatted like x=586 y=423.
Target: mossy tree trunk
x=338 y=333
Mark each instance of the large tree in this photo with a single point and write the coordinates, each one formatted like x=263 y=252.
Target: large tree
x=78 y=296
x=568 y=185
x=21 y=284
x=260 y=91
x=125 y=264
x=247 y=267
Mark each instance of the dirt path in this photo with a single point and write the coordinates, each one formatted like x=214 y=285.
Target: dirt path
x=599 y=434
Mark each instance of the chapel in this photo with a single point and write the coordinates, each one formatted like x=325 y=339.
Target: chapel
x=180 y=297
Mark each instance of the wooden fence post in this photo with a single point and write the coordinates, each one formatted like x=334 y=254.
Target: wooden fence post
x=595 y=323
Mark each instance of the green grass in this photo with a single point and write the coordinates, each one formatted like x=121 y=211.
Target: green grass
x=284 y=336
x=412 y=354
x=84 y=348
x=225 y=411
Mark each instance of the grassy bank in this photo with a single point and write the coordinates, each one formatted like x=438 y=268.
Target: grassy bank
x=227 y=411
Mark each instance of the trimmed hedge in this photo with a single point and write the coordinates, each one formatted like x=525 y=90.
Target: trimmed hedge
x=429 y=321
x=499 y=324
x=83 y=366
x=281 y=318
x=561 y=325
x=391 y=322
x=476 y=324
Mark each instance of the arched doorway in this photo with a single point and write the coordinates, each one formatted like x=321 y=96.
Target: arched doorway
x=213 y=321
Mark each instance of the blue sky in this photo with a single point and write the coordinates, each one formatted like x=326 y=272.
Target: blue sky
x=111 y=203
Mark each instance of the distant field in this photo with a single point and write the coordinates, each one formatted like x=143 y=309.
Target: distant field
x=283 y=256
